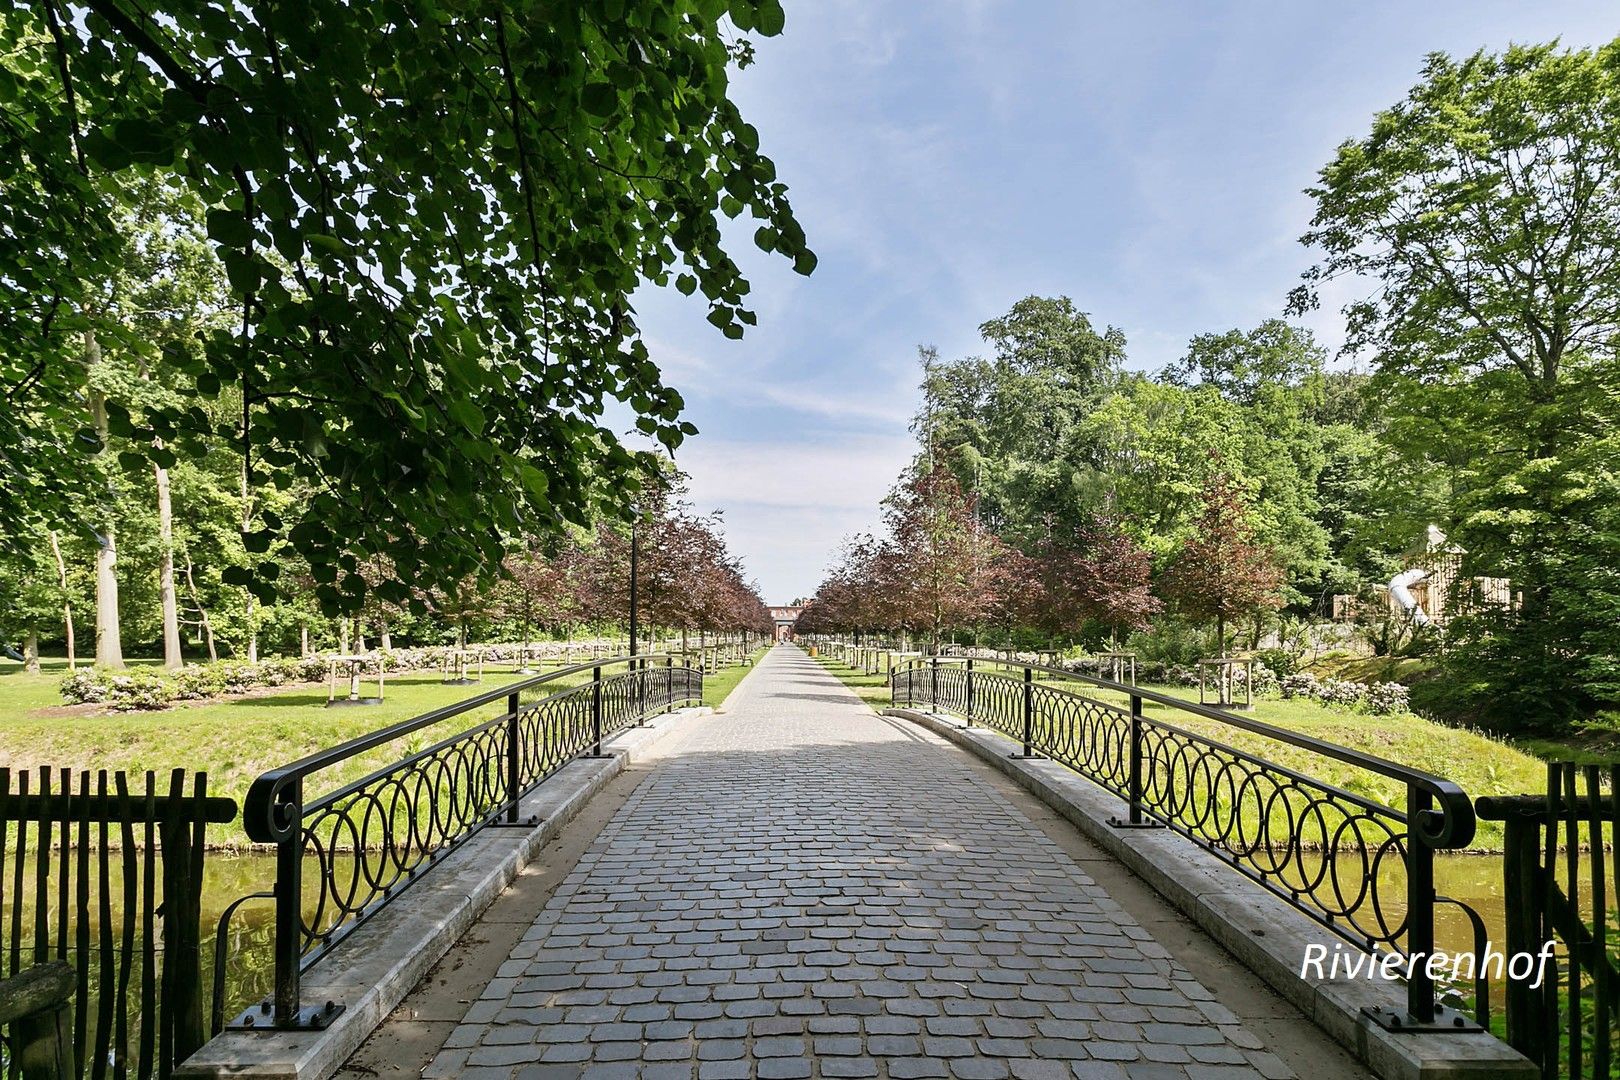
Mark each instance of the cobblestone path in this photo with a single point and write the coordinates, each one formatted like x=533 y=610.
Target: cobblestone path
x=802 y=888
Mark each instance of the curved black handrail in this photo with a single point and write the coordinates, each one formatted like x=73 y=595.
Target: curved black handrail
x=258 y=808
x=1260 y=816
x=399 y=819
x=1458 y=809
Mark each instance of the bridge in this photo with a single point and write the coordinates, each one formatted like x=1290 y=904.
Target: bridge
x=801 y=886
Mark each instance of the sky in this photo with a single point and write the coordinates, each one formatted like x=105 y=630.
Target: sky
x=948 y=157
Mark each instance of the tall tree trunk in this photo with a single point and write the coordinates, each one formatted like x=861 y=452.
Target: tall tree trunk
x=31 y=651
x=67 y=605
x=303 y=639
x=1220 y=635
x=171 y=608
x=343 y=635
x=109 y=642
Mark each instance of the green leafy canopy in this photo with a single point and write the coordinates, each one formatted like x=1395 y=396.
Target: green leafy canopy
x=431 y=218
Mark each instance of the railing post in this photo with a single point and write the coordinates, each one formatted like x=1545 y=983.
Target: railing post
x=1419 y=906
x=1029 y=710
x=289 y=944
x=669 y=682
x=596 y=708
x=933 y=681
x=970 y=692
x=1136 y=761
x=1521 y=881
x=512 y=758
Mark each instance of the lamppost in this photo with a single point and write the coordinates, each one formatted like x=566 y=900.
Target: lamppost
x=635 y=548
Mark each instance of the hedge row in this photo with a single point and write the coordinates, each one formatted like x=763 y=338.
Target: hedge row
x=1380 y=698
x=145 y=689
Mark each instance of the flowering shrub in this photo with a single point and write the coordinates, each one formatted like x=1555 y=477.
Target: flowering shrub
x=1388 y=697
x=145 y=688
x=1380 y=699
x=86 y=685
x=125 y=691
x=1302 y=684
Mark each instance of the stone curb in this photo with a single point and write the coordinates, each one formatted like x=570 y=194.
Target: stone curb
x=375 y=968
x=1262 y=932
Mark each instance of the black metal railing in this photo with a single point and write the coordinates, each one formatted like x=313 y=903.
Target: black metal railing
x=1563 y=1013
x=1360 y=867
x=367 y=840
x=102 y=877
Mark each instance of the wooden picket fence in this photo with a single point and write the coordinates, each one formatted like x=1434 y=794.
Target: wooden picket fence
x=1561 y=882
x=106 y=880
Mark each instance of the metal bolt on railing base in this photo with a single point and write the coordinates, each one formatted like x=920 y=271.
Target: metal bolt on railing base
x=1445 y=1021
x=1127 y=823
x=260 y=1017
x=526 y=823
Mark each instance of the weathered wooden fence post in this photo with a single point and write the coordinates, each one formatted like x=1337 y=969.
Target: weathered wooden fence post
x=37 y=1004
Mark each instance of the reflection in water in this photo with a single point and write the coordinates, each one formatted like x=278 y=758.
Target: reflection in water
x=226 y=878
x=1476 y=880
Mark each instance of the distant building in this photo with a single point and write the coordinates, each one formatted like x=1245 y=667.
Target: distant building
x=1428 y=590
x=785 y=617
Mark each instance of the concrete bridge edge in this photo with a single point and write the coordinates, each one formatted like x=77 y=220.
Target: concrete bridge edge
x=1261 y=933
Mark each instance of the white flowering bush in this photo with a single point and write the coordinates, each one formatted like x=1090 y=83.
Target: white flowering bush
x=1380 y=699
x=1387 y=697
x=146 y=688
x=1300 y=684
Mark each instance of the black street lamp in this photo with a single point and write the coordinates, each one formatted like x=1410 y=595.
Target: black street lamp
x=635 y=546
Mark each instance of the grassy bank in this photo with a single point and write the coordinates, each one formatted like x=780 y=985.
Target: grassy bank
x=232 y=740
x=1481 y=765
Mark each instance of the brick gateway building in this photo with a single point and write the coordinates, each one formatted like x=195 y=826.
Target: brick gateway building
x=785 y=617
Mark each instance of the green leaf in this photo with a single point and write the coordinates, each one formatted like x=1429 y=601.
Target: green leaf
x=599 y=99
x=230 y=228
x=769 y=18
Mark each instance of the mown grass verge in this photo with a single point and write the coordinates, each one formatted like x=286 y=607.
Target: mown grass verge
x=233 y=740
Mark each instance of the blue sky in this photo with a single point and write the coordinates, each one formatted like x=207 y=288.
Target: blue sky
x=947 y=158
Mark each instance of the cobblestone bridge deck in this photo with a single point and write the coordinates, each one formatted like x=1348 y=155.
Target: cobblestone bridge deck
x=803 y=888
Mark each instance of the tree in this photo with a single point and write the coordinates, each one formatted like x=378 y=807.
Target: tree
x=31 y=599
x=949 y=566
x=1220 y=573
x=1486 y=207
x=432 y=222
x=1005 y=424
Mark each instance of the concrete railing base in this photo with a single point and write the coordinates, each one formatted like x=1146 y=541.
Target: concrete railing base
x=381 y=962
x=1262 y=932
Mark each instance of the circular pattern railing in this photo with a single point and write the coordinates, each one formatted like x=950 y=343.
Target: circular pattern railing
x=1355 y=864
x=345 y=854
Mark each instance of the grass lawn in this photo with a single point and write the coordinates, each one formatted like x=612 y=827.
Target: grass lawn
x=1481 y=765
x=233 y=741
x=716 y=687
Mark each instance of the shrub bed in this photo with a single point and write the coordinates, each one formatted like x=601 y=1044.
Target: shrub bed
x=142 y=690
x=1380 y=698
